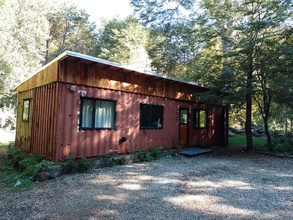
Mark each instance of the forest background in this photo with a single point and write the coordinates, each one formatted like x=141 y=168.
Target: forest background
x=242 y=49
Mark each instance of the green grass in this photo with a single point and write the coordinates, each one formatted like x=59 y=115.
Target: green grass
x=5 y=144
x=240 y=140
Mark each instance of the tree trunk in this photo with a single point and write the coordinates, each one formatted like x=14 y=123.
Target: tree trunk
x=248 y=99
x=249 y=143
x=268 y=134
x=286 y=121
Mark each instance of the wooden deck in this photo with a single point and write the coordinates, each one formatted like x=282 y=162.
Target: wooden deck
x=194 y=151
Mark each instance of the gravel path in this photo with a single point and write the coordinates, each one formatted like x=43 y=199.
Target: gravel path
x=220 y=185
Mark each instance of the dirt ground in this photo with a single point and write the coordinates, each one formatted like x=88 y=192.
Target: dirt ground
x=224 y=184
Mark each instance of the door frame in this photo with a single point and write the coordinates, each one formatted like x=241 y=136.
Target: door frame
x=187 y=124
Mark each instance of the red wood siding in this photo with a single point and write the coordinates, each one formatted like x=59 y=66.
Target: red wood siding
x=44 y=120
x=72 y=142
x=86 y=73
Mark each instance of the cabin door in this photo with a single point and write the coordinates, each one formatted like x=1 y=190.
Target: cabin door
x=183 y=126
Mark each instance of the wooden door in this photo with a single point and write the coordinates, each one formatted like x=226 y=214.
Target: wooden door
x=183 y=126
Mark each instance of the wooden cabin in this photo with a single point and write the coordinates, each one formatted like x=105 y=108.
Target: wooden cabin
x=82 y=106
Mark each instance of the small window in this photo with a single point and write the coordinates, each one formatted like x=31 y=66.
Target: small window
x=97 y=114
x=183 y=116
x=151 y=116
x=200 y=118
x=26 y=110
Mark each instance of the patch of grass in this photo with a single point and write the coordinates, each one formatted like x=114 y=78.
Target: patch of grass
x=5 y=144
x=240 y=140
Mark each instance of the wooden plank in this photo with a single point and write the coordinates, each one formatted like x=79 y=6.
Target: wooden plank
x=45 y=76
x=24 y=128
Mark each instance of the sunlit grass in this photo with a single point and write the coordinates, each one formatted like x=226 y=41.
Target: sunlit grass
x=240 y=140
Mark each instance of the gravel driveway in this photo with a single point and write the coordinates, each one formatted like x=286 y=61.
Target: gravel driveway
x=220 y=185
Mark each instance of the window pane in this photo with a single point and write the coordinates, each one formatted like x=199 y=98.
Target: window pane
x=87 y=113
x=25 y=110
x=200 y=118
x=104 y=114
x=183 y=116
x=151 y=116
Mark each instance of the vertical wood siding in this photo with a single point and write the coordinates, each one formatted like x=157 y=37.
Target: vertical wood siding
x=44 y=120
x=53 y=128
x=46 y=76
x=23 y=128
x=76 y=143
x=78 y=72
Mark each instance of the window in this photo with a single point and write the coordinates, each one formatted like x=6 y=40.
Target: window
x=26 y=110
x=183 y=116
x=97 y=114
x=200 y=118
x=151 y=116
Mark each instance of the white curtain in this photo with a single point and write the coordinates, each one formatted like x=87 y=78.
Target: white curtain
x=104 y=115
x=87 y=113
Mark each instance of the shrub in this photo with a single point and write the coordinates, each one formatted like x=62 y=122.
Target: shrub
x=283 y=143
x=154 y=152
x=22 y=167
x=84 y=164
x=81 y=166
x=145 y=156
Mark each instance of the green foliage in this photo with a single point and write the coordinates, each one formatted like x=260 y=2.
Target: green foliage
x=125 y=42
x=154 y=152
x=70 y=29
x=282 y=143
x=148 y=155
x=71 y=165
x=240 y=140
x=82 y=165
x=22 y=167
x=32 y=36
x=242 y=49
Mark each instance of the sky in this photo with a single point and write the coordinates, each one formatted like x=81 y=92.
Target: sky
x=104 y=8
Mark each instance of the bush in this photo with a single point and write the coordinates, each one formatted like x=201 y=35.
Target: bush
x=154 y=152
x=146 y=156
x=282 y=143
x=84 y=164
x=22 y=167
x=81 y=166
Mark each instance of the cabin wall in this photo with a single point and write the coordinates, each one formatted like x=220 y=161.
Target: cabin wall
x=215 y=132
x=47 y=75
x=76 y=143
x=44 y=120
x=79 y=72
x=23 y=128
